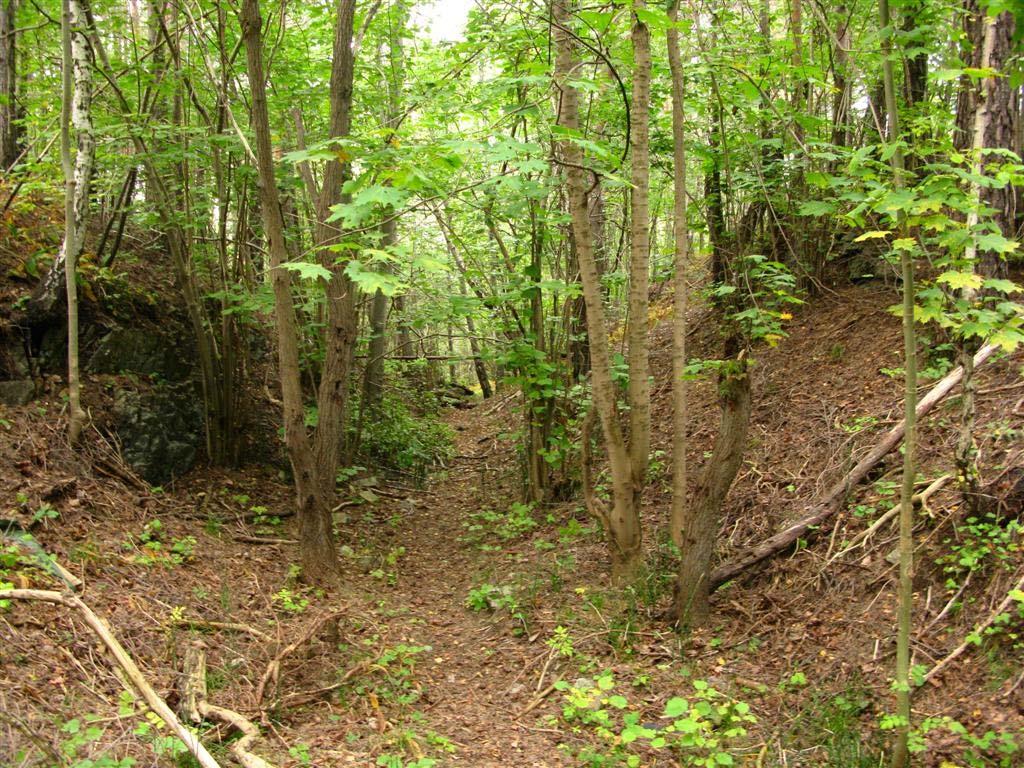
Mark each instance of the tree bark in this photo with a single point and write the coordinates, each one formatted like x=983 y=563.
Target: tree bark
x=316 y=538
x=622 y=524
x=10 y=130
x=702 y=520
x=76 y=114
x=901 y=754
x=639 y=260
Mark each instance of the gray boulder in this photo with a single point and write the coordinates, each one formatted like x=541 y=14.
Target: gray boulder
x=160 y=429
x=19 y=392
x=130 y=350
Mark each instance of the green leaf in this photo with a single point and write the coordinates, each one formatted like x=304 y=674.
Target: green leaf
x=959 y=280
x=816 y=208
x=370 y=281
x=676 y=706
x=307 y=270
x=992 y=241
x=1004 y=286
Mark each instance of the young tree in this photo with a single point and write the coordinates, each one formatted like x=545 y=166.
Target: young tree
x=681 y=244
x=314 y=461
x=901 y=754
x=76 y=106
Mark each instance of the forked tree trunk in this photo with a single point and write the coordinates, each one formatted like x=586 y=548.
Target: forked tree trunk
x=681 y=235
x=342 y=294
x=76 y=114
x=316 y=539
x=622 y=521
x=703 y=517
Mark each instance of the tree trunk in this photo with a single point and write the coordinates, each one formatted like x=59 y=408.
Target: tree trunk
x=76 y=114
x=639 y=259
x=681 y=235
x=901 y=754
x=622 y=523
x=373 y=376
x=342 y=331
x=316 y=539
x=965 y=453
x=10 y=130
x=703 y=518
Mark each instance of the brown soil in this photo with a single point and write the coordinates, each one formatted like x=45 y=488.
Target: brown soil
x=420 y=674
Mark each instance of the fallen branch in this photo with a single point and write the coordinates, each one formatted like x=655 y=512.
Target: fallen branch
x=836 y=497
x=196 y=707
x=124 y=661
x=273 y=670
x=229 y=626
x=263 y=540
x=919 y=499
x=976 y=632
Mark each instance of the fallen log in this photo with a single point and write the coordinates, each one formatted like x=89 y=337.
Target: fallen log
x=835 y=498
x=124 y=661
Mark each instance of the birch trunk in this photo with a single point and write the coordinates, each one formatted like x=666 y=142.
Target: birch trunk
x=76 y=115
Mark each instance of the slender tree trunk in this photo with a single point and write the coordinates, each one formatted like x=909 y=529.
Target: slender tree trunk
x=966 y=451
x=373 y=376
x=622 y=521
x=681 y=235
x=316 y=538
x=10 y=131
x=342 y=317
x=76 y=114
x=901 y=754
x=640 y=257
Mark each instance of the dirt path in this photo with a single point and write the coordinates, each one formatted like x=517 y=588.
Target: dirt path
x=475 y=676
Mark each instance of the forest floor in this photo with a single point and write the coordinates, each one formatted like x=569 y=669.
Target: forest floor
x=460 y=607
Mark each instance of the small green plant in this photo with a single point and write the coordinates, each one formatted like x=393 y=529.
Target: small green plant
x=561 y=642
x=704 y=730
x=153 y=550
x=44 y=513
x=489 y=597
x=290 y=601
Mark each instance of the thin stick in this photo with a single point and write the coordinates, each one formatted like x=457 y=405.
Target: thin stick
x=958 y=651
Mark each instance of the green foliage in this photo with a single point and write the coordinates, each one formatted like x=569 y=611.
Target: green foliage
x=151 y=548
x=394 y=438
x=703 y=730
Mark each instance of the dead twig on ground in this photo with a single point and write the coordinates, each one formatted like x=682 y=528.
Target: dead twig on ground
x=976 y=632
x=273 y=670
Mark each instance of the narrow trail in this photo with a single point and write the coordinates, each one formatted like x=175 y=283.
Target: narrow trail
x=478 y=676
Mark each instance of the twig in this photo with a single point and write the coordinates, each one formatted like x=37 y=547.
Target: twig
x=124 y=661
x=264 y=540
x=225 y=625
x=273 y=669
x=539 y=700
x=976 y=632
